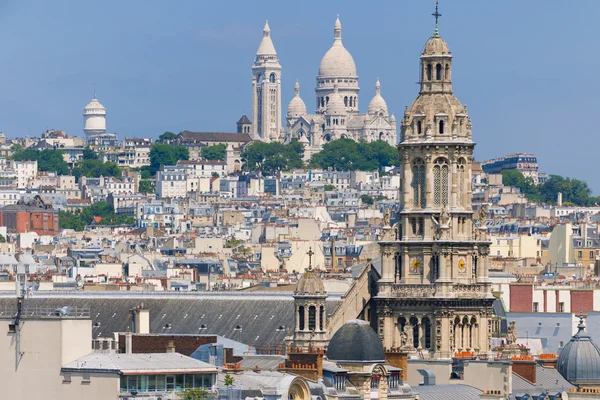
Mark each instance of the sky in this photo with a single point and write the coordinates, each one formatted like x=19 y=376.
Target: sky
x=527 y=70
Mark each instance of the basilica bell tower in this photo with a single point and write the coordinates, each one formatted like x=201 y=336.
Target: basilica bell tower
x=434 y=295
x=266 y=91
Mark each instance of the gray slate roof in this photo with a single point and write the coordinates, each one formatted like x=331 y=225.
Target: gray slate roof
x=260 y=315
x=447 y=392
x=547 y=379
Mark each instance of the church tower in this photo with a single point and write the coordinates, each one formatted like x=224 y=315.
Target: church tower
x=434 y=295
x=310 y=306
x=266 y=91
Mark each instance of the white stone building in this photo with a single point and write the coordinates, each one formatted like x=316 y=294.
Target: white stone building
x=171 y=181
x=337 y=96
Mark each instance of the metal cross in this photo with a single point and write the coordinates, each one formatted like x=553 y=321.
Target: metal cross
x=436 y=14
x=310 y=254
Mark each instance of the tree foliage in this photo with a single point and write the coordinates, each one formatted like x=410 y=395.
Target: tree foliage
x=573 y=190
x=271 y=158
x=166 y=137
x=214 y=152
x=366 y=199
x=2 y=239
x=48 y=160
x=94 y=168
x=79 y=219
x=89 y=154
x=194 y=394
x=164 y=154
x=147 y=186
x=348 y=155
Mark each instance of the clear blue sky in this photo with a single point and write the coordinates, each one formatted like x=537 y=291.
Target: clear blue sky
x=528 y=70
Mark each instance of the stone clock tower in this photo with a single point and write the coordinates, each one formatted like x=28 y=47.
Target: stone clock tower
x=434 y=296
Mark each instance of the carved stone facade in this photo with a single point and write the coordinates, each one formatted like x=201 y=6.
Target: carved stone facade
x=434 y=295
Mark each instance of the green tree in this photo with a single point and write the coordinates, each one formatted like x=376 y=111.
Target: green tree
x=164 y=154
x=514 y=178
x=79 y=219
x=48 y=160
x=271 y=158
x=229 y=380
x=366 y=199
x=2 y=239
x=215 y=152
x=328 y=188
x=94 y=168
x=89 y=154
x=166 y=137
x=147 y=186
x=194 y=394
x=349 y=155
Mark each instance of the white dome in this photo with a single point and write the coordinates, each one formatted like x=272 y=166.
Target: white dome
x=94 y=107
x=266 y=47
x=296 y=108
x=335 y=106
x=378 y=103
x=338 y=61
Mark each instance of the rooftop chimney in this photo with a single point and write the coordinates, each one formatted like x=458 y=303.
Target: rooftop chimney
x=128 y=343
x=171 y=347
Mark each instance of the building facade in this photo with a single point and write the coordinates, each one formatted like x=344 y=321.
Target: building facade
x=266 y=91
x=434 y=295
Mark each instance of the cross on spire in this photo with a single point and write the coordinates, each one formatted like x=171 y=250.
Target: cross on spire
x=436 y=14
x=310 y=254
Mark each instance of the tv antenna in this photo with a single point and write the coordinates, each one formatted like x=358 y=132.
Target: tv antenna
x=15 y=327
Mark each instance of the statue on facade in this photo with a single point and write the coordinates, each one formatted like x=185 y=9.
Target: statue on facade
x=386 y=218
x=511 y=335
x=483 y=214
x=444 y=217
x=406 y=337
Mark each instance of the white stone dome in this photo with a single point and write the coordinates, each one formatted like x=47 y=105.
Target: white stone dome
x=378 y=104
x=94 y=107
x=335 y=106
x=296 y=108
x=338 y=61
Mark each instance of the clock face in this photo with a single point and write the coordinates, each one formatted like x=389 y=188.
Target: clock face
x=462 y=265
x=416 y=265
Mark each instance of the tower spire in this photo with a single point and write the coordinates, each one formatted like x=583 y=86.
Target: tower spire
x=436 y=14
x=337 y=29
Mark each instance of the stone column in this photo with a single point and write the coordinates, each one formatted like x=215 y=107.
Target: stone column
x=428 y=179
x=387 y=263
x=306 y=317
x=297 y=318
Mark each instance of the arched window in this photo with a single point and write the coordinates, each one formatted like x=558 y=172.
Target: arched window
x=461 y=182
x=321 y=317
x=326 y=100
x=350 y=101
x=398 y=267
x=272 y=78
x=401 y=323
x=415 y=324
x=426 y=331
x=429 y=69
x=259 y=78
x=312 y=317
x=447 y=72
x=419 y=127
x=346 y=101
x=418 y=183
x=301 y=318
x=380 y=135
x=440 y=182
x=438 y=72
x=441 y=127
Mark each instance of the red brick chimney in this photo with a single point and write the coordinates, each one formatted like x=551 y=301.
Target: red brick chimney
x=525 y=367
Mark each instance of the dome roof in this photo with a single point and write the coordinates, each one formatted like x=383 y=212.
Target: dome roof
x=378 y=103
x=310 y=284
x=579 y=360
x=94 y=105
x=335 y=106
x=266 y=47
x=436 y=46
x=338 y=61
x=355 y=341
x=296 y=108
